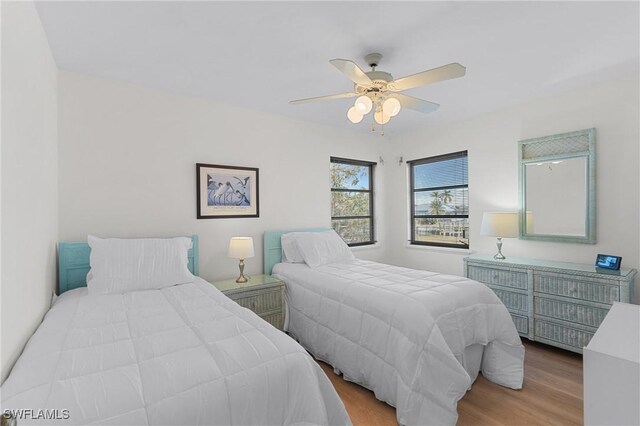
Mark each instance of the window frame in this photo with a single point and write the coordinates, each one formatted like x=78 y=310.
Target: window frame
x=413 y=190
x=371 y=165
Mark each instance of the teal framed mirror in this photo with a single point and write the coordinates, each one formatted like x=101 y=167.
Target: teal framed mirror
x=558 y=187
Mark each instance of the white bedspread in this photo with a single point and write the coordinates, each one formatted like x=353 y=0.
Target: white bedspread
x=183 y=355
x=402 y=332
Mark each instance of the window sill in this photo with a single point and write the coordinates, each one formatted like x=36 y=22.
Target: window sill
x=366 y=247
x=450 y=250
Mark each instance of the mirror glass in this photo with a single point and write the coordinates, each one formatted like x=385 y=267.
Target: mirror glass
x=556 y=197
x=558 y=188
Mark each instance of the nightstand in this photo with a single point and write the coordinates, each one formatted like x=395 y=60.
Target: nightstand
x=263 y=294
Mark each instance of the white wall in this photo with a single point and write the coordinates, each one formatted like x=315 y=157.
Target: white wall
x=29 y=177
x=127 y=167
x=491 y=139
x=127 y=158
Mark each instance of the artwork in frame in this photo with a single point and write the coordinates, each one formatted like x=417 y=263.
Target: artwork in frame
x=227 y=191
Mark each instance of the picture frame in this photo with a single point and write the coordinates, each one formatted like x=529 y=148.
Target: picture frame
x=225 y=192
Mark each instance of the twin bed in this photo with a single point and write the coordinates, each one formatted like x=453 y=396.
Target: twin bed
x=417 y=339
x=177 y=355
x=183 y=353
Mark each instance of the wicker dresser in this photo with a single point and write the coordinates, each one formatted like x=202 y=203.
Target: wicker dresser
x=561 y=304
x=263 y=294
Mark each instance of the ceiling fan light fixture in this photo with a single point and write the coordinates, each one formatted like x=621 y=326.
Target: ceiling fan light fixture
x=391 y=107
x=381 y=117
x=378 y=90
x=363 y=104
x=354 y=115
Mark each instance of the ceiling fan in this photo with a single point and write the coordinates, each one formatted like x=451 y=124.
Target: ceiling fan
x=378 y=89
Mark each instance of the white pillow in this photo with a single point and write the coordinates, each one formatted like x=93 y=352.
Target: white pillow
x=321 y=248
x=290 y=251
x=121 y=265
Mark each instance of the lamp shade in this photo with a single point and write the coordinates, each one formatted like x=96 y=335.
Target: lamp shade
x=241 y=247
x=391 y=107
x=380 y=117
x=500 y=224
x=354 y=115
x=363 y=104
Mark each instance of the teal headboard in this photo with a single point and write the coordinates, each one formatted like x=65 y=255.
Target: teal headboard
x=73 y=264
x=272 y=248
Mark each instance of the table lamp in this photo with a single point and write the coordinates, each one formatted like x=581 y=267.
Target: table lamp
x=241 y=248
x=501 y=225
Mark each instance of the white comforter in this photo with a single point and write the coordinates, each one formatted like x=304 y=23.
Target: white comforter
x=183 y=355
x=402 y=332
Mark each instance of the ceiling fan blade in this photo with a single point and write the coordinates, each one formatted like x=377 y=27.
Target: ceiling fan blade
x=323 y=98
x=415 y=104
x=446 y=72
x=352 y=71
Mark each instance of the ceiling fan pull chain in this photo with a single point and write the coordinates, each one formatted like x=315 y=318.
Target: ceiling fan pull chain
x=382 y=130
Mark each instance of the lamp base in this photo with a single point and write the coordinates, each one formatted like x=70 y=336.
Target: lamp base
x=241 y=279
x=499 y=255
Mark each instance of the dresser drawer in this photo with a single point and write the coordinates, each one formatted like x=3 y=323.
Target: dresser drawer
x=557 y=303
x=562 y=334
x=521 y=323
x=568 y=286
x=512 y=300
x=496 y=276
x=567 y=311
x=260 y=302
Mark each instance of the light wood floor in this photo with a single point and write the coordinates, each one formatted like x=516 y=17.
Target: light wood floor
x=551 y=395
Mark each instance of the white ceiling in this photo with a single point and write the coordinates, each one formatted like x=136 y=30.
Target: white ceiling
x=260 y=55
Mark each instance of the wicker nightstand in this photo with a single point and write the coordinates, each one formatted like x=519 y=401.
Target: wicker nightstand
x=263 y=294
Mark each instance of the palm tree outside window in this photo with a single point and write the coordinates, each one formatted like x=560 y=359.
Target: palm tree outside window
x=439 y=192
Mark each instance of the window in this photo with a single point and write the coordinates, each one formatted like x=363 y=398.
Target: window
x=440 y=201
x=352 y=200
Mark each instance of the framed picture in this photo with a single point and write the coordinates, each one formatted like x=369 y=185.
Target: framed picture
x=227 y=191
